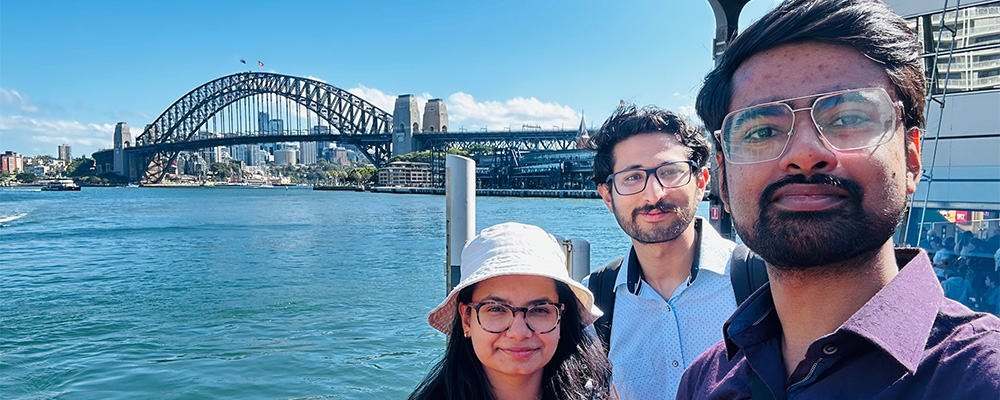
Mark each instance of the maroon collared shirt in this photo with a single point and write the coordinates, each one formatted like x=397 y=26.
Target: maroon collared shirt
x=907 y=342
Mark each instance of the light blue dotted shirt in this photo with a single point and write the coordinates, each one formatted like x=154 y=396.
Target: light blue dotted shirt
x=653 y=340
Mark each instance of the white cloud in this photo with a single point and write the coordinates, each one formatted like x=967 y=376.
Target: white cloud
x=14 y=99
x=465 y=111
x=24 y=132
x=690 y=113
x=315 y=78
x=386 y=102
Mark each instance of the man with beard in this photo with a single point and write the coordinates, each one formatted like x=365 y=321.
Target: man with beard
x=670 y=295
x=816 y=109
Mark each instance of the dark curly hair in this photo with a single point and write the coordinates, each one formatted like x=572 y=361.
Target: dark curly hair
x=629 y=120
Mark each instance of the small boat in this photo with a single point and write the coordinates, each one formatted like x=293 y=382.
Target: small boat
x=58 y=185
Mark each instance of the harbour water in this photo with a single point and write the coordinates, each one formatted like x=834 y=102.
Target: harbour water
x=189 y=293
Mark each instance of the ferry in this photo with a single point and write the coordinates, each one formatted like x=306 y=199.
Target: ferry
x=59 y=185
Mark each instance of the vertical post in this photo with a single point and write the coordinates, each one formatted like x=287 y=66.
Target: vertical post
x=727 y=16
x=577 y=256
x=460 y=196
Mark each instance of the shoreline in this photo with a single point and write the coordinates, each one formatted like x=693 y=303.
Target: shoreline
x=547 y=193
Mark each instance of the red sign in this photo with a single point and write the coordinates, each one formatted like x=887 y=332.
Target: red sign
x=715 y=212
x=961 y=217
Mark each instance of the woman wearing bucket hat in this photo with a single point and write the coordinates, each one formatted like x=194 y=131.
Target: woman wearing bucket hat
x=515 y=324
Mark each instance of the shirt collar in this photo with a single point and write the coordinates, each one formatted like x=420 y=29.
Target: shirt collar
x=630 y=273
x=898 y=319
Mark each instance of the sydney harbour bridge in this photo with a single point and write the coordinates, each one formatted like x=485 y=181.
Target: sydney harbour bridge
x=227 y=110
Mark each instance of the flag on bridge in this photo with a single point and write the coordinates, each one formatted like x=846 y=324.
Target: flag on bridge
x=243 y=61
x=260 y=63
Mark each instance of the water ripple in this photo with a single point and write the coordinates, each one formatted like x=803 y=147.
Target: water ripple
x=202 y=293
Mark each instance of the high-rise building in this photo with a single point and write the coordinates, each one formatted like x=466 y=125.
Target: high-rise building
x=65 y=154
x=307 y=153
x=277 y=127
x=340 y=156
x=213 y=155
x=435 y=116
x=238 y=152
x=263 y=123
x=322 y=147
x=960 y=187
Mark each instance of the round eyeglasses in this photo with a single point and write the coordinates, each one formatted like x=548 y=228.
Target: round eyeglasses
x=669 y=175
x=496 y=317
x=846 y=120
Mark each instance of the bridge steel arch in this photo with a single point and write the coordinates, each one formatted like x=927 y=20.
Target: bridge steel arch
x=360 y=123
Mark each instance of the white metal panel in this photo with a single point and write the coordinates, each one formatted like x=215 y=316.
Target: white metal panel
x=971 y=113
x=910 y=8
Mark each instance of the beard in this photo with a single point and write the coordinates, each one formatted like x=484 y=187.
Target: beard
x=799 y=240
x=660 y=234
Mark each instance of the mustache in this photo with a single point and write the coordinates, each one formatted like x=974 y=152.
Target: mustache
x=662 y=206
x=851 y=187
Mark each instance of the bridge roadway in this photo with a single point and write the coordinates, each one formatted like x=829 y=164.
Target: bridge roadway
x=526 y=140
x=521 y=140
x=254 y=139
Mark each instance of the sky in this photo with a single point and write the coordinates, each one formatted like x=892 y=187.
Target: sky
x=70 y=70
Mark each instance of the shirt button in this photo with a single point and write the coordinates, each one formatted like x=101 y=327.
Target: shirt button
x=830 y=349
x=668 y=308
x=676 y=363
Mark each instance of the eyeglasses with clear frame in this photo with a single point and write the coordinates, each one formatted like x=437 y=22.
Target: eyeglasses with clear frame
x=497 y=317
x=846 y=120
x=668 y=175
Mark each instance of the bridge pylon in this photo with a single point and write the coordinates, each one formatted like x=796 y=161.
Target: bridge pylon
x=405 y=122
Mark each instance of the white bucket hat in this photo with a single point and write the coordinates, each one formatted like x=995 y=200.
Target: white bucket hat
x=512 y=249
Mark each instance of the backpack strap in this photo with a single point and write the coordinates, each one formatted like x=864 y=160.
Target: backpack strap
x=747 y=272
x=602 y=284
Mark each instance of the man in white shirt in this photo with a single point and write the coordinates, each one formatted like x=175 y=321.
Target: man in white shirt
x=670 y=295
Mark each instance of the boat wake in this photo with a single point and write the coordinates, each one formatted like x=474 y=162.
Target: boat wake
x=4 y=219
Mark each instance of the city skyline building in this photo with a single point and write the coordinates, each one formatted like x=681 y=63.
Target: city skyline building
x=405 y=174
x=339 y=156
x=960 y=187
x=285 y=156
x=12 y=162
x=307 y=153
x=321 y=147
x=65 y=153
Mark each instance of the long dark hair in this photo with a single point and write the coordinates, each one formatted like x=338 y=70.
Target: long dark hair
x=579 y=369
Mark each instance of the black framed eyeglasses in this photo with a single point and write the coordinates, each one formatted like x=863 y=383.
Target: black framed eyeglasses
x=669 y=175
x=496 y=317
x=846 y=120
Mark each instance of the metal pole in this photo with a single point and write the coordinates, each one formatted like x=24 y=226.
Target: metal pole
x=727 y=16
x=460 y=196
